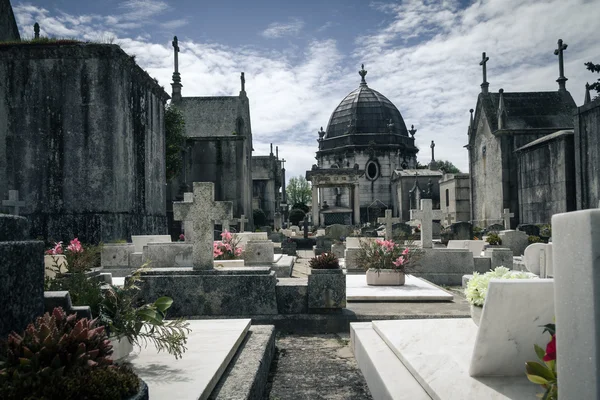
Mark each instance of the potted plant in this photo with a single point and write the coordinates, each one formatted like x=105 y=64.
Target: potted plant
x=476 y=289
x=129 y=324
x=386 y=262
x=326 y=283
x=59 y=356
x=493 y=239
x=226 y=252
x=544 y=373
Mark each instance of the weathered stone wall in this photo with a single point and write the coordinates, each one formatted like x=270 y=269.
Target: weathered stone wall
x=587 y=155
x=82 y=133
x=403 y=186
x=8 y=26
x=266 y=181
x=546 y=180
x=455 y=196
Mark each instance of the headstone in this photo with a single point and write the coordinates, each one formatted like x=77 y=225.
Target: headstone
x=388 y=220
x=242 y=220
x=462 y=231
x=449 y=218
x=436 y=229
x=506 y=216
x=202 y=212
x=499 y=257
x=305 y=227
x=139 y=241
x=474 y=246
x=426 y=215
x=401 y=230
x=538 y=259
x=529 y=229
x=495 y=228
x=259 y=252
x=517 y=241
x=295 y=228
x=21 y=275
x=188 y=226
x=576 y=256
x=13 y=202
x=277 y=221
x=338 y=231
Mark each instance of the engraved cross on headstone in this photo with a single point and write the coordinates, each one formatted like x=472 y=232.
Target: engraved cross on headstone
x=506 y=216
x=202 y=212
x=388 y=221
x=561 y=67
x=426 y=215
x=449 y=219
x=13 y=202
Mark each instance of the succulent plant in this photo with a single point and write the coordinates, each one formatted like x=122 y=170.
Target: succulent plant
x=324 y=261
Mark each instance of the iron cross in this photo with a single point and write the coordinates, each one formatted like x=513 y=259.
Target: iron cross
x=483 y=63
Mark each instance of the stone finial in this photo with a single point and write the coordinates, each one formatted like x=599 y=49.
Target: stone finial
x=243 y=81
x=412 y=131
x=271 y=153
x=485 y=85
x=432 y=146
x=176 y=85
x=588 y=98
x=277 y=152
x=501 y=110
x=362 y=74
x=561 y=67
x=471 y=121
x=36 y=31
x=283 y=163
x=321 y=134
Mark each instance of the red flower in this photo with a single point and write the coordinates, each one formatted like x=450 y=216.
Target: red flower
x=551 y=350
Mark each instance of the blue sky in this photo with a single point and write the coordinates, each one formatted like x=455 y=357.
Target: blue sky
x=302 y=57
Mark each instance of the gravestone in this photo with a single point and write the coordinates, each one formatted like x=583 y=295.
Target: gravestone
x=401 y=230
x=495 y=228
x=538 y=259
x=13 y=202
x=517 y=241
x=259 y=252
x=462 y=231
x=242 y=220
x=323 y=245
x=576 y=256
x=338 y=231
x=529 y=229
x=188 y=225
x=295 y=229
x=388 y=220
x=21 y=275
x=506 y=216
x=305 y=226
x=277 y=221
x=426 y=215
x=202 y=212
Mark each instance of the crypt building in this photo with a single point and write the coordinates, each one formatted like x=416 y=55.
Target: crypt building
x=365 y=142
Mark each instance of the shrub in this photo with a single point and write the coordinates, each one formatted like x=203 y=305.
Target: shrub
x=476 y=289
x=57 y=357
x=259 y=216
x=301 y=206
x=534 y=239
x=324 y=261
x=493 y=239
x=296 y=215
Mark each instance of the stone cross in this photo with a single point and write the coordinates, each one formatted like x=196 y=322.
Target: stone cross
x=188 y=225
x=426 y=215
x=388 y=221
x=202 y=212
x=305 y=227
x=175 y=44
x=13 y=202
x=561 y=67
x=432 y=150
x=225 y=225
x=449 y=218
x=484 y=60
x=242 y=220
x=243 y=79
x=506 y=216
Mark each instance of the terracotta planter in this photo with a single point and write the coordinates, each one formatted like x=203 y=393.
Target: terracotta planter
x=385 y=277
x=476 y=313
x=50 y=261
x=121 y=347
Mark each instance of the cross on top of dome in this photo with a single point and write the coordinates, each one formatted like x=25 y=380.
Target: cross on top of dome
x=362 y=74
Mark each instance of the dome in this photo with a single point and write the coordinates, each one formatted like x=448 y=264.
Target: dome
x=365 y=111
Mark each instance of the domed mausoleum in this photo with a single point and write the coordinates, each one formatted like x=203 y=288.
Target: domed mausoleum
x=366 y=140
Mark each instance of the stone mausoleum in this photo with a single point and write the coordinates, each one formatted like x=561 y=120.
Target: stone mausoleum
x=365 y=141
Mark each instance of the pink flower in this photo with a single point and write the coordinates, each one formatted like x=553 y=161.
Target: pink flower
x=226 y=236
x=75 y=246
x=399 y=262
x=182 y=237
x=405 y=252
x=57 y=249
x=238 y=252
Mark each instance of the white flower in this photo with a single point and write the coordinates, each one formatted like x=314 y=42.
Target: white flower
x=476 y=289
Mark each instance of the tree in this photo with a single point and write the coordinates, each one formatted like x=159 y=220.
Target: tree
x=259 y=217
x=296 y=216
x=596 y=85
x=174 y=140
x=298 y=191
x=447 y=167
x=301 y=206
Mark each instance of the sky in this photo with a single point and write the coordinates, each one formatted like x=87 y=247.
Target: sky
x=301 y=58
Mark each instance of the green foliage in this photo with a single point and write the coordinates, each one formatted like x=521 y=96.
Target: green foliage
x=120 y=313
x=296 y=215
x=447 y=167
x=596 y=85
x=476 y=290
x=301 y=206
x=544 y=373
x=55 y=356
x=174 y=140
x=388 y=255
x=324 y=261
x=546 y=230
x=534 y=239
x=493 y=239
x=259 y=216
x=298 y=190
x=83 y=291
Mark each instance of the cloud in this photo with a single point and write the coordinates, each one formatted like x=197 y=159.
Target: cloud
x=140 y=10
x=280 y=29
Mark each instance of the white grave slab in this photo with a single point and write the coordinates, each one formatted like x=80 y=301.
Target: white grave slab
x=139 y=241
x=414 y=289
x=510 y=324
x=538 y=259
x=211 y=346
x=474 y=246
x=438 y=353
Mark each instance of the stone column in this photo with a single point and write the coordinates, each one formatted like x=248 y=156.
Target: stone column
x=576 y=259
x=356 y=204
x=315 y=205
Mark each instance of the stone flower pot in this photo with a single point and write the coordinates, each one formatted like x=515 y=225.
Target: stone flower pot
x=327 y=289
x=143 y=392
x=50 y=261
x=385 y=277
x=121 y=347
x=476 y=313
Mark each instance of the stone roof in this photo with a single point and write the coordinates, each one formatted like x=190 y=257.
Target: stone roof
x=210 y=116
x=547 y=138
x=529 y=110
x=419 y=172
x=8 y=26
